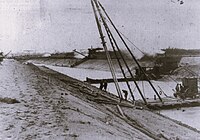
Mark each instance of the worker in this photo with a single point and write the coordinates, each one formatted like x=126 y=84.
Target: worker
x=154 y=96
x=137 y=72
x=101 y=85
x=125 y=94
x=177 y=88
x=182 y=89
x=105 y=85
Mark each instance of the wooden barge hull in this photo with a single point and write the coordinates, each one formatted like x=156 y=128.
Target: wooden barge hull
x=173 y=104
x=97 y=81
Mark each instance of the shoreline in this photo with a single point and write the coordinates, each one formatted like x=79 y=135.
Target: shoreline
x=54 y=105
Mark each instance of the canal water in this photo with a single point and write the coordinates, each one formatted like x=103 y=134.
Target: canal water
x=81 y=74
x=189 y=116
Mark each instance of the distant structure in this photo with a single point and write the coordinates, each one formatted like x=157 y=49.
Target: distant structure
x=63 y=55
x=99 y=53
x=181 y=52
x=170 y=59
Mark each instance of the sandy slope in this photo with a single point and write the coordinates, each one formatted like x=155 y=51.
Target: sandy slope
x=53 y=106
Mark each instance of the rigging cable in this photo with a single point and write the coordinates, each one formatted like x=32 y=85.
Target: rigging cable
x=130 y=52
x=192 y=72
x=111 y=38
x=162 y=91
x=120 y=65
x=125 y=64
x=129 y=40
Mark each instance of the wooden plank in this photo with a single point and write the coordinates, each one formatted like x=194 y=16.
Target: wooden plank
x=174 y=104
x=110 y=80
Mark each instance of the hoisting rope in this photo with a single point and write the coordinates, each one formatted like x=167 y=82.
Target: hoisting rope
x=161 y=91
x=129 y=41
x=130 y=52
x=105 y=48
x=192 y=72
x=143 y=54
x=132 y=43
x=152 y=59
x=173 y=79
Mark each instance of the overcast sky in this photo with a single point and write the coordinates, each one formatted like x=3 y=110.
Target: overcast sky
x=64 y=25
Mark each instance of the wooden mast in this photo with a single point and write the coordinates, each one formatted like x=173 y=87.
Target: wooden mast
x=106 y=50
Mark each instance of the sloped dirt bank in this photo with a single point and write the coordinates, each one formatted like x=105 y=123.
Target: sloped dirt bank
x=55 y=106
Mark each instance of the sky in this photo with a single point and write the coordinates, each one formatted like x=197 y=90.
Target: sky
x=64 y=25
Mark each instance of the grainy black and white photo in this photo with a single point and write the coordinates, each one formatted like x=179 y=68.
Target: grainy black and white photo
x=99 y=69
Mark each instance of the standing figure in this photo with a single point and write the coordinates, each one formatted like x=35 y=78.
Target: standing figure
x=105 y=85
x=101 y=85
x=125 y=94
x=182 y=88
x=177 y=88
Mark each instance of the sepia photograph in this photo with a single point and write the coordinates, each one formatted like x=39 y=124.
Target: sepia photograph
x=99 y=69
